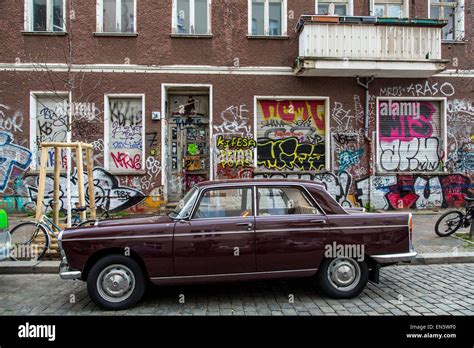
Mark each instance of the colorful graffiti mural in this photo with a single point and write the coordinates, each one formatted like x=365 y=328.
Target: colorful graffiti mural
x=11 y=156
x=410 y=136
x=291 y=135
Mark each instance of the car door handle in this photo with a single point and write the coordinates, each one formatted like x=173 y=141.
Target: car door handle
x=318 y=221
x=248 y=224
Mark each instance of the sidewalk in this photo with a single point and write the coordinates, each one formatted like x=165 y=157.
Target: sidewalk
x=431 y=248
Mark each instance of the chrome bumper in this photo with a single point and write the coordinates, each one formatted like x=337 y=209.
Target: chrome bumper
x=66 y=273
x=394 y=258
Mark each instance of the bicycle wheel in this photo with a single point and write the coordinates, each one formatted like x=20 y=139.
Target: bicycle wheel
x=29 y=241
x=448 y=223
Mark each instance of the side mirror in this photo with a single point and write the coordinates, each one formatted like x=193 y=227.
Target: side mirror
x=3 y=220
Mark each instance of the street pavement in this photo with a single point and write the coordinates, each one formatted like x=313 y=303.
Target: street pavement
x=426 y=240
x=439 y=289
x=403 y=290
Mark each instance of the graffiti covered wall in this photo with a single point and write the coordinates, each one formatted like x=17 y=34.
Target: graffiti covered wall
x=421 y=157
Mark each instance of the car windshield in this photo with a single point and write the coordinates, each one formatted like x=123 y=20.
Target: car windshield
x=183 y=209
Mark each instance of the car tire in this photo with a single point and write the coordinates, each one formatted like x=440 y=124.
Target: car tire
x=116 y=282
x=342 y=278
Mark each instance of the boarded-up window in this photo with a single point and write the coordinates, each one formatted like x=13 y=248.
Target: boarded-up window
x=51 y=126
x=410 y=136
x=291 y=135
x=125 y=135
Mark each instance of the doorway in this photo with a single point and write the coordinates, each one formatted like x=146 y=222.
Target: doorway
x=187 y=140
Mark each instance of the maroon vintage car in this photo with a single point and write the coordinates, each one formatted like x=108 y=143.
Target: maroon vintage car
x=237 y=230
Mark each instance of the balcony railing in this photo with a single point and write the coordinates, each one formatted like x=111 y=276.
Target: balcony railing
x=347 y=44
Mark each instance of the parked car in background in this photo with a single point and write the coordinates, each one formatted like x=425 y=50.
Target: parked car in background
x=237 y=230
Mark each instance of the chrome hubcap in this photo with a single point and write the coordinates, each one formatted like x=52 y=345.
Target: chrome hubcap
x=344 y=274
x=116 y=283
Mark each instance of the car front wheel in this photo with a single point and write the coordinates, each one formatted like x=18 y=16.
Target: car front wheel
x=116 y=282
x=342 y=277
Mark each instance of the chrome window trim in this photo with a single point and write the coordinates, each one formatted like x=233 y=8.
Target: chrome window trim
x=221 y=218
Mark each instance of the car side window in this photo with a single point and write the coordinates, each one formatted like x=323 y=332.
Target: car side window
x=283 y=201
x=221 y=203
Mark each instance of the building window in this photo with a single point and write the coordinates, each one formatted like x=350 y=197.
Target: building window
x=411 y=135
x=390 y=8
x=116 y=16
x=44 y=15
x=334 y=7
x=451 y=11
x=124 y=133
x=191 y=17
x=292 y=135
x=267 y=18
x=48 y=123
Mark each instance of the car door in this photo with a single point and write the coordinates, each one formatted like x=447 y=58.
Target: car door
x=219 y=237
x=290 y=229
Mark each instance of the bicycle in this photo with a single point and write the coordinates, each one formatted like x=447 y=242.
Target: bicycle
x=30 y=240
x=450 y=222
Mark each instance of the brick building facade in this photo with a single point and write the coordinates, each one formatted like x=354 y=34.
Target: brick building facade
x=367 y=97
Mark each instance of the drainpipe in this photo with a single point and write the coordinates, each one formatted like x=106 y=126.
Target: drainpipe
x=365 y=85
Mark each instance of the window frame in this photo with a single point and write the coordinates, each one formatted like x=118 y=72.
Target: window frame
x=107 y=147
x=192 y=19
x=404 y=3
x=220 y=188
x=266 y=20
x=29 y=21
x=458 y=22
x=349 y=5
x=303 y=191
x=34 y=95
x=443 y=131
x=118 y=11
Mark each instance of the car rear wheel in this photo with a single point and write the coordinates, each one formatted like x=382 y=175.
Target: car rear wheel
x=116 y=282
x=342 y=277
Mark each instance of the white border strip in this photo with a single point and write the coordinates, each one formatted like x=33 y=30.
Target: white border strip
x=164 y=69
x=180 y=69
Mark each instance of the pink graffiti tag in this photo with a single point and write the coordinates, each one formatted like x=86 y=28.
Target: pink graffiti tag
x=406 y=120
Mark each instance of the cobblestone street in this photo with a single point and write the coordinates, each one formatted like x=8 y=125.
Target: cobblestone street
x=403 y=290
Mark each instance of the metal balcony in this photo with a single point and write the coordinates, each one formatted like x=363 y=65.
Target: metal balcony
x=369 y=46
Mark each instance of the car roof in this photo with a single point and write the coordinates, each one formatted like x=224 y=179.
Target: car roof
x=250 y=181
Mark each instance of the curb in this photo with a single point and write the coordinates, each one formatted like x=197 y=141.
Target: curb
x=443 y=258
x=29 y=267
x=52 y=267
